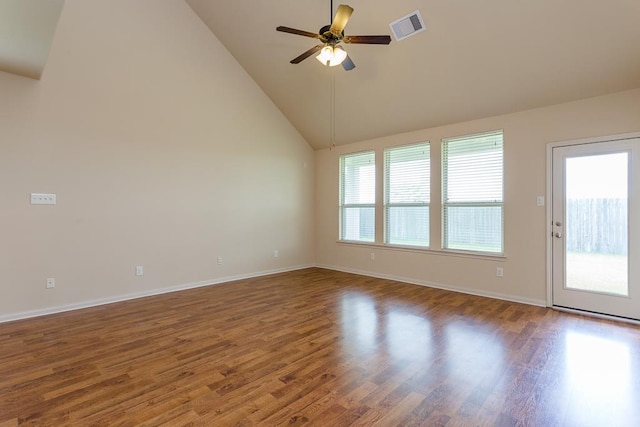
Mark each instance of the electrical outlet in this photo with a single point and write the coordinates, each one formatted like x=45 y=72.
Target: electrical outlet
x=276 y=254
x=219 y=260
x=373 y=256
x=139 y=270
x=51 y=283
x=500 y=272
x=540 y=201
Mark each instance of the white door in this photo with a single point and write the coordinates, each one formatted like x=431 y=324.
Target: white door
x=596 y=227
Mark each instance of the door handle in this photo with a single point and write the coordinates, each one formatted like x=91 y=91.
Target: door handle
x=558 y=235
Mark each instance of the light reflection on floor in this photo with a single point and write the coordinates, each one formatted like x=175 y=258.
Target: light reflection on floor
x=408 y=337
x=599 y=374
x=578 y=376
x=359 y=324
x=400 y=335
x=472 y=352
x=404 y=335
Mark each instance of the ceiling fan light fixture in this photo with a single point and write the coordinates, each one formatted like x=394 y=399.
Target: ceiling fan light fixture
x=326 y=54
x=339 y=55
x=330 y=36
x=332 y=55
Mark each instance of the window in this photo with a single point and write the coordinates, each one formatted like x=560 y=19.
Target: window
x=407 y=173
x=472 y=193
x=357 y=197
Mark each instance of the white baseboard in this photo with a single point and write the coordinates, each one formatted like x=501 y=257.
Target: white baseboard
x=218 y=281
x=152 y=292
x=476 y=292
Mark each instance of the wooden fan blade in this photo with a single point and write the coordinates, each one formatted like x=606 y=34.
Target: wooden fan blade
x=307 y=54
x=340 y=20
x=348 y=64
x=297 y=32
x=367 y=39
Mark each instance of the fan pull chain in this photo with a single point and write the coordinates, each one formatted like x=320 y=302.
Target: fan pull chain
x=332 y=109
x=332 y=125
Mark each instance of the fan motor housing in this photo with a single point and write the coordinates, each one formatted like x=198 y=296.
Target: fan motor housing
x=328 y=36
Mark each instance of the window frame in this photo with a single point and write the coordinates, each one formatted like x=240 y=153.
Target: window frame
x=387 y=205
x=445 y=204
x=342 y=206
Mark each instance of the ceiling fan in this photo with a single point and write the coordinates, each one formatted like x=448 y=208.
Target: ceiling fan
x=331 y=53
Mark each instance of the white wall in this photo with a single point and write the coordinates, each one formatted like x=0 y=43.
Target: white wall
x=526 y=135
x=162 y=152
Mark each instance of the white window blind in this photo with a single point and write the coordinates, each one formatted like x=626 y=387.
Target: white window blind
x=407 y=173
x=357 y=197
x=472 y=193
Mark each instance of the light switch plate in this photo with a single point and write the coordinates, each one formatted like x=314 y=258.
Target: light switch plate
x=43 y=199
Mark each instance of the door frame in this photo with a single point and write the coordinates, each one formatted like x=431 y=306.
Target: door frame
x=549 y=197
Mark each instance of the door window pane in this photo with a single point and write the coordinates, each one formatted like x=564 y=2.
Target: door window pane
x=596 y=223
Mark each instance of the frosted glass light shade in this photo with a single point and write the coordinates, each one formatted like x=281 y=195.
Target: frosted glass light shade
x=339 y=55
x=332 y=56
x=325 y=55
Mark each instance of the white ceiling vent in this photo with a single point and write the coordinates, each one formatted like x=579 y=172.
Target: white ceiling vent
x=407 y=25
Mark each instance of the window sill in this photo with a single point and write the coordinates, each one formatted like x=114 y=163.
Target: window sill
x=415 y=249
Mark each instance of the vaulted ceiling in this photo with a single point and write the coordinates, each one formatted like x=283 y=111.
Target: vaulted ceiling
x=475 y=59
x=26 y=32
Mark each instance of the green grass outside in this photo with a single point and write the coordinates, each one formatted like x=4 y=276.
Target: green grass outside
x=597 y=272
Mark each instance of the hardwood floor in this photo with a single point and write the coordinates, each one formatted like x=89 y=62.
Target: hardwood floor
x=321 y=348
